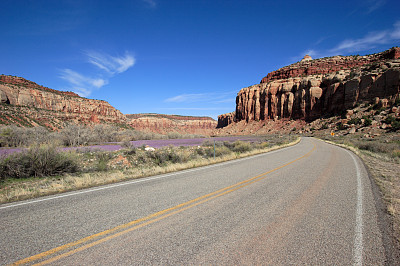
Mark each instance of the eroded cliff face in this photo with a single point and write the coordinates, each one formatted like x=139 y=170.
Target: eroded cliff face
x=36 y=100
x=165 y=124
x=314 y=88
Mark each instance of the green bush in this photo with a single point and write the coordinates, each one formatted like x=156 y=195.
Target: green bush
x=38 y=161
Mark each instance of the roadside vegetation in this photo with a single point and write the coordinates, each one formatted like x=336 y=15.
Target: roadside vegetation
x=77 y=135
x=381 y=154
x=42 y=169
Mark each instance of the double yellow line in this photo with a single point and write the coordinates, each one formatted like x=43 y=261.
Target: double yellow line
x=91 y=241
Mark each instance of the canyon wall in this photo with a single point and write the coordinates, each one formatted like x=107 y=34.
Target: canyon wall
x=313 y=88
x=35 y=100
x=165 y=124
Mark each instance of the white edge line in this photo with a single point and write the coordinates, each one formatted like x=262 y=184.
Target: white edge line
x=358 y=238
x=140 y=180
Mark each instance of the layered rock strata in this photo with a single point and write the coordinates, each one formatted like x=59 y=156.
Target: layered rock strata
x=286 y=95
x=165 y=124
x=16 y=91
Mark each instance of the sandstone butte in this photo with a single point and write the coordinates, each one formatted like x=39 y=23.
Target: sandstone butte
x=25 y=103
x=311 y=89
x=165 y=124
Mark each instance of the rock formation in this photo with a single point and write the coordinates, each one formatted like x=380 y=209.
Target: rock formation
x=164 y=124
x=41 y=105
x=225 y=119
x=313 y=88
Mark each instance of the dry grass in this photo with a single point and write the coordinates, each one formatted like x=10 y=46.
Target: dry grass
x=19 y=189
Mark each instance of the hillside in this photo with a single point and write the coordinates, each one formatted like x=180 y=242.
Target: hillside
x=25 y=103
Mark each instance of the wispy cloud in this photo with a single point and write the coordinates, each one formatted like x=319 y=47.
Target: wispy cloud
x=369 y=41
x=195 y=108
x=150 y=3
x=209 y=98
x=188 y=98
x=81 y=84
x=84 y=85
x=373 y=5
x=111 y=64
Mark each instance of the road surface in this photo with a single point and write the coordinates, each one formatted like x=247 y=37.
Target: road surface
x=312 y=203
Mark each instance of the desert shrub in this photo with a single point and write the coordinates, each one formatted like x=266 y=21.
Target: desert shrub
x=355 y=121
x=396 y=153
x=174 y=135
x=389 y=120
x=102 y=159
x=13 y=136
x=340 y=126
x=207 y=143
x=168 y=155
x=38 y=161
x=240 y=146
x=367 y=121
x=377 y=146
x=219 y=151
x=103 y=133
x=395 y=125
x=75 y=135
x=127 y=145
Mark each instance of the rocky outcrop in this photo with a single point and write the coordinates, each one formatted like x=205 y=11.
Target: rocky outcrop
x=226 y=119
x=327 y=65
x=164 y=124
x=312 y=89
x=16 y=91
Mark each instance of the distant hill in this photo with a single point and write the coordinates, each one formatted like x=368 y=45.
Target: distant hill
x=164 y=124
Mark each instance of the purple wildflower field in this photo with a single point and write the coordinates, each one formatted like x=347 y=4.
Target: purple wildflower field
x=152 y=143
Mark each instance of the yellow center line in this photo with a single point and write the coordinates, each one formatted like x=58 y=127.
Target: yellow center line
x=146 y=220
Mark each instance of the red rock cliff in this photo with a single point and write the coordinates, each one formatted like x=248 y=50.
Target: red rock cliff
x=16 y=91
x=313 y=88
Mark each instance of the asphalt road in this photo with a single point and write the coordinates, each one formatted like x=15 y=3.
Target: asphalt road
x=312 y=203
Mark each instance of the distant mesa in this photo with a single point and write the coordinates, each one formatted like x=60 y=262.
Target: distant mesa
x=164 y=124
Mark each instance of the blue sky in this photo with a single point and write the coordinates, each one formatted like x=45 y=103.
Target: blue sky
x=182 y=57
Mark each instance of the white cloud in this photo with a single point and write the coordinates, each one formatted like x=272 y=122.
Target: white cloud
x=369 y=41
x=79 y=80
x=111 y=64
x=209 y=97
x=81 y=84
x=395 y=34
x=187 y=98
